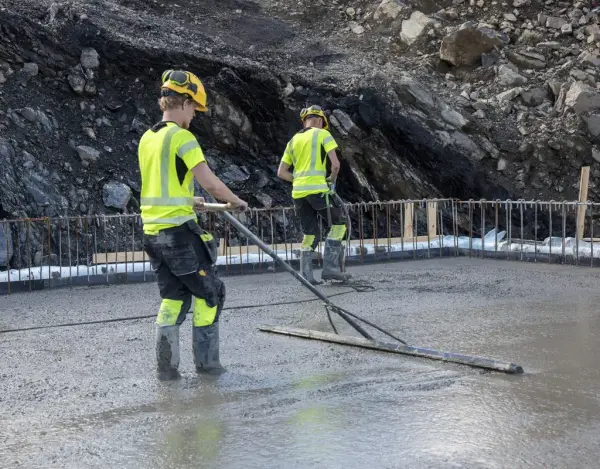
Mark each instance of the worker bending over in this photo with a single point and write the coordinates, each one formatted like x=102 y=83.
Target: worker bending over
x=307 y=152
x=181 y=253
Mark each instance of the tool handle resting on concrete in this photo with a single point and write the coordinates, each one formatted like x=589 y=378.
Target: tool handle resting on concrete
x=462 y=359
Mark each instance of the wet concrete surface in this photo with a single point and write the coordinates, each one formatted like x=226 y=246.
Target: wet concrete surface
x=87 y=396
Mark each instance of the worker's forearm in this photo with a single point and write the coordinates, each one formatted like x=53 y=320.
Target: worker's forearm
x=286 y=176
x=334 y=173
x=335 y=166
x=215 y=187
x=221 y=192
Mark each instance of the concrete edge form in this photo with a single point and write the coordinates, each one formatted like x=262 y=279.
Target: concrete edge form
x=119 y=278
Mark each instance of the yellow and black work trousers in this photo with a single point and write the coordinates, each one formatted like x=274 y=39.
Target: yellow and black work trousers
x=309 y=209
x=184 y=268
x=183 y=259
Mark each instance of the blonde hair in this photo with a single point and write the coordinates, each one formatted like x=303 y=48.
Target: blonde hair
x=168 y=103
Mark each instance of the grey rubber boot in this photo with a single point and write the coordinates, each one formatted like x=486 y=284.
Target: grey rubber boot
x=206 y=349
x=306 y=267
x=167 y=352
x=331 y=261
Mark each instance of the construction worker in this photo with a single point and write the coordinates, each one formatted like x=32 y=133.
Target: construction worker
x=310 y=190
x=181 y=253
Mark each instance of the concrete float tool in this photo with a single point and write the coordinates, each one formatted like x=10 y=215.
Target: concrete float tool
x=367 y=341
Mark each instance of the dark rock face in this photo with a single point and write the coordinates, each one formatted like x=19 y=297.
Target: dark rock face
x=77 y=93
x=6 y=248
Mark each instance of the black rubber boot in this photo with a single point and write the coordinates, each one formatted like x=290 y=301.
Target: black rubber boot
x=306 y=267
x=331 y=261
x=167 y=352
x=206 y=349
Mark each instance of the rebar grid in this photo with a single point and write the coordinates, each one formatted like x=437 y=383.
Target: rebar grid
x=48 y=252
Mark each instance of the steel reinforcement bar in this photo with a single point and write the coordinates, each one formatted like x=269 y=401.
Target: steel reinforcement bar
x=103 y=249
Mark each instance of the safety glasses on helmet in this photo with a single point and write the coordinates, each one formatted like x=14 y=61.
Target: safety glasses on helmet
x=180 y=78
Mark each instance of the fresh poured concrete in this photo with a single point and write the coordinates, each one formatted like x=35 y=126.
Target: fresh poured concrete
x=87 y=397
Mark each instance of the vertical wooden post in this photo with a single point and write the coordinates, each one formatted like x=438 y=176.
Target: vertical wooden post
x=408 y=220
x=583 y=194
x=432 y=219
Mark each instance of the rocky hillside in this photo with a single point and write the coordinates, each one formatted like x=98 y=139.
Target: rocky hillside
x=427 y=98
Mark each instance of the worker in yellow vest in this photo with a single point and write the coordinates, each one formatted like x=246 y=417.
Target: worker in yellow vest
x=182 y=254
x=307 y=152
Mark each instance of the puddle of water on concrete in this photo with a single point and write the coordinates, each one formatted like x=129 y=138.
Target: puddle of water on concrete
x=328 y=420
x=430 y=415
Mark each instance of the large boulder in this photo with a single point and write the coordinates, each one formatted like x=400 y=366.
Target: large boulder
x=87 y=154
x=555 y=22
x=530 y=37
x=507 y=76
x=45 y=196
x=466 y=45
x=30 y=70
x=344 y=124
x=527 y=60
x=234 y=176
x=89 y=59
x=452 y=116
x=116 y=195
x=534 y=96
x=41 y=119
x=413 y=91
x=590 y=59
x=593 y=124
x=389 y=10
x=582 y=98
x=462 y=143
x=416 y=26
x=509 y=95
x=229 y=113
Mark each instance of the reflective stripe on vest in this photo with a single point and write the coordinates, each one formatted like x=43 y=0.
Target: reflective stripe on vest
x=167 y=201
x=314 y=153
x=315 y=187
x=186 y=148
x=290 y=149
x=171 y=221
x=164 y=200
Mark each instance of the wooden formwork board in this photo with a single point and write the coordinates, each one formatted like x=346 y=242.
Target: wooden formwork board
x=409 y=211
x=583 y=194
x=408 y=238
x=140 y=256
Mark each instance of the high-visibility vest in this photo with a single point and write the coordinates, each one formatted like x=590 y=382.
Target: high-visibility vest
x=166 y=154
x=307 y=153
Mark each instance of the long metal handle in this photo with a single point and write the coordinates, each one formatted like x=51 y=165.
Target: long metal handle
x=235 y=222
x=231 y=219
x=218 y=207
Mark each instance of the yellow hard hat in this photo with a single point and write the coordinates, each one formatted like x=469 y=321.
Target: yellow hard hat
x=314 y=111
x=185 y=83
